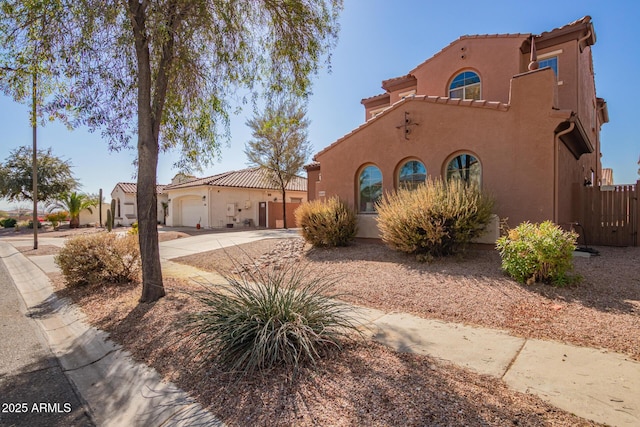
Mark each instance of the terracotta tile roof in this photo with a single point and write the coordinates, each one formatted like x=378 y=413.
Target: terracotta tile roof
x=397 y=82
x=374 y=98
x=132 y=188
x=577 y=23
x=312 y=166
x=492 y=105
x=246 y=178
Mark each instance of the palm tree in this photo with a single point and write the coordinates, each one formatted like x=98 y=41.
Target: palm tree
x=75 y=203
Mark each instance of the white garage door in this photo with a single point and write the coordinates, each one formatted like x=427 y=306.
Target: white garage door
x=191 y=211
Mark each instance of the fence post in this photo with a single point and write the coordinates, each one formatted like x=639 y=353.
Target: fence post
x=637 y=212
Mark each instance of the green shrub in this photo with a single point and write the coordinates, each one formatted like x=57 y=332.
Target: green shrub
x=134 y=229
x=330 y=223
x=100 y=258
x=434 y=219
x=55 y=218
x=532 y=252
x=268 y=318
x=8 y=222
x=30 y=224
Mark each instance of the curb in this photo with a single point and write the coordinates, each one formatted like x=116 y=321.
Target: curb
x=116 y=390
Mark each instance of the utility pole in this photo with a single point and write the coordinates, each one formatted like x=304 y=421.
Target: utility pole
x=34 y=124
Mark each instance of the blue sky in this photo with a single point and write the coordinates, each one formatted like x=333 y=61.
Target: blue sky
x=381 y=39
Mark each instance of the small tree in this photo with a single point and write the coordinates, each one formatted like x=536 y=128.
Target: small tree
x=280 y=145
x=16 y=178
x=162 y=74
x=75 y=203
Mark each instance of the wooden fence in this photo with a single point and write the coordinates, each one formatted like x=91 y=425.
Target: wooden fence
x=610 y=215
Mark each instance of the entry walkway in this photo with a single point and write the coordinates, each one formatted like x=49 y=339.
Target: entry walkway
x=594 y=384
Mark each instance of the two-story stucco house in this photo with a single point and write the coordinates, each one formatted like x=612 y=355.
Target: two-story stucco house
x=516 y=113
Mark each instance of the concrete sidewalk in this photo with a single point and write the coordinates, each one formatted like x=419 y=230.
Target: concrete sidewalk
x=118 y=391
x=208 y=242
x=594 y=384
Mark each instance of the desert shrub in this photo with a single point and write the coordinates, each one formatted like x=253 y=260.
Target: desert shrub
x=8 y=222
x=435 y=219
x=99 y=258
x=134 y=229
x=538 y=252
x=30 y=224
x=55 y=218
x=330 y=223
x=268 y=318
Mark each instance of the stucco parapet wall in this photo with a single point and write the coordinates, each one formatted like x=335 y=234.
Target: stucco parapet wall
x=443 y=100
x=524 y=36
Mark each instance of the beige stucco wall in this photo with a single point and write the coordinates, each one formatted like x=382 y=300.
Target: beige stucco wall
x=93 y=217
x=215 y=202
x=127 y=213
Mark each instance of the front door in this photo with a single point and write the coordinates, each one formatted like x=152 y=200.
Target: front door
x=262 y=214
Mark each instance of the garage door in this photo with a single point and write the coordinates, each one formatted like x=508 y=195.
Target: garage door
x=191 y=211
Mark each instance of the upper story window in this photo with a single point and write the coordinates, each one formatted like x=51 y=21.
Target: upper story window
x=550 y=62
x=465 y=85
x=411 y=175
x=369 y=188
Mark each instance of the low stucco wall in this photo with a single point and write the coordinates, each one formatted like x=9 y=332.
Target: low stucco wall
x=93 y=217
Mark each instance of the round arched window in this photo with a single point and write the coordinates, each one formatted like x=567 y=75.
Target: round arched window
x=465 y=167
x=465 y=85
x=412 y=174
x=369 y=188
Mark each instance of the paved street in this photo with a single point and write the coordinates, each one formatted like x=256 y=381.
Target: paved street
x=33 y=389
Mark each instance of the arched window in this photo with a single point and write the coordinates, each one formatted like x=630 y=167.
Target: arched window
x=465 y=85
x=369 y=188
x=411 y=174
x=465 y=167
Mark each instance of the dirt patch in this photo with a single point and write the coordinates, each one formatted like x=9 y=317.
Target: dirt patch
x=171 y=235
x=602 y=312
x=42 y=250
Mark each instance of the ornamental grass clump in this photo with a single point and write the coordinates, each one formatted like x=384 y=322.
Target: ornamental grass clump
x=435 y=219
x=330 y=223
x=100 y=258
x=538 y=253
x=268 y=318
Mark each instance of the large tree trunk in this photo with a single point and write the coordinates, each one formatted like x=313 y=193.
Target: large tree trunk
x=152 y=286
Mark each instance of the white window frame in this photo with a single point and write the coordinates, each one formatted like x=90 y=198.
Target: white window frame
x=550 y=55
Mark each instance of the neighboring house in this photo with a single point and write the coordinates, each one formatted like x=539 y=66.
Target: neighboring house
x=124 y=193
x=524 y=126
x=237 y=198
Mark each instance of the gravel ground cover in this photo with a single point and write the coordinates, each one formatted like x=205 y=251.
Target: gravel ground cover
x=363 y=384
x=603 y=311
x=366 y=383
